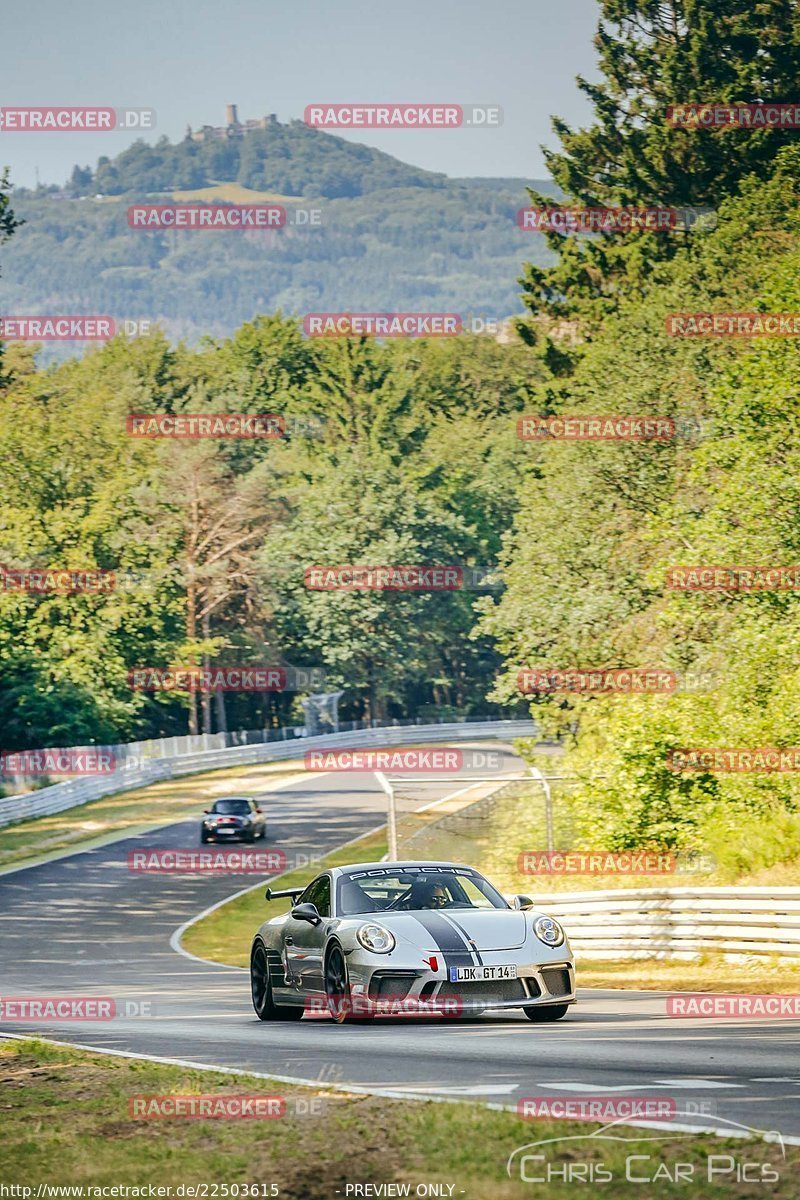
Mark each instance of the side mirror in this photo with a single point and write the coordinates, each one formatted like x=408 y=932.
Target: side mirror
x=306 y=912
x=522 y=902
x=206 y=811
x=258 y=810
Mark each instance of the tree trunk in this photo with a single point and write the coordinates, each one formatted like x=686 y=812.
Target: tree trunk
x=222 y=716
x=205 y=696
x=191 y=633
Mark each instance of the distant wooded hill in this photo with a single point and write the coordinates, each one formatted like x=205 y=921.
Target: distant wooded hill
x=391 y=237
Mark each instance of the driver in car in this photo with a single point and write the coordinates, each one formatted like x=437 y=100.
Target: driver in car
x=425 y=893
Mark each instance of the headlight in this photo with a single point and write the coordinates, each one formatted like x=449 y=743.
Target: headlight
x=548 y=931
x=376 y=938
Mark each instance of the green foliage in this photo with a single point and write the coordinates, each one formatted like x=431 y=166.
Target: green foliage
x=653 y=54
x=395 y=454
x=8 y=223
x=292 y=159
x=600 y=525
x=404 y=249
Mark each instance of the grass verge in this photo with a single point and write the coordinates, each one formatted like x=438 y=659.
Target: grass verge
x=711 y=973
x=67 y=1122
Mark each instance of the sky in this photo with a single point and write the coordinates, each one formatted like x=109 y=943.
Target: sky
x=187 y=59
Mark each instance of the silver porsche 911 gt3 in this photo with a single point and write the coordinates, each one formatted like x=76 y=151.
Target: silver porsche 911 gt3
x=409 y=938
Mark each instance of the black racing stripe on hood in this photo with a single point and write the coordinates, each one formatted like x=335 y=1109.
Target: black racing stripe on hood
x=466 y=937
x=453 y=945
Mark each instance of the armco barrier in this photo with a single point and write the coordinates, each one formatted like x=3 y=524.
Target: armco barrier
x=678 y=922
x=79 y=791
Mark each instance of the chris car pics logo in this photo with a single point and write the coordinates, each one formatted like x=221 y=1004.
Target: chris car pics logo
x=644 y=1157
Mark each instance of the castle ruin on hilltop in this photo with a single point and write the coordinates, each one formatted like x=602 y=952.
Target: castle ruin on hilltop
x=233 y=127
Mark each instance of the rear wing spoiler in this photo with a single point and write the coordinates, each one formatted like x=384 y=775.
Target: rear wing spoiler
x=293 y=892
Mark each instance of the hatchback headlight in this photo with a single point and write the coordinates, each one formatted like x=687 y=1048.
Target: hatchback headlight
x=548 y=931
x=376 y=938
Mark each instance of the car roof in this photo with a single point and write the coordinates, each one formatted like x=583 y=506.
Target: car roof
x=401 y=866
x=218 y=798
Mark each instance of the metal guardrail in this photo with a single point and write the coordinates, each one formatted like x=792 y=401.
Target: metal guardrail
x=679 y=922
x=61 y=796
x=131 y=754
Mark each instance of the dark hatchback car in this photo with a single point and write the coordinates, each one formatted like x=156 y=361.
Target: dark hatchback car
x=232 y=818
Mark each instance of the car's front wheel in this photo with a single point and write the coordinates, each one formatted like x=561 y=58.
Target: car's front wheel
x=337 y=989
x=546 y=1012
x=261 y=990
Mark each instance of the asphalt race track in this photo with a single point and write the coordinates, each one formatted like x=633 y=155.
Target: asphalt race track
x=85 y=925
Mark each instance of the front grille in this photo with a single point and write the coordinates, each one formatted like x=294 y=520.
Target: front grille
x=391 y=985
x=483 y=989
x=557 y=981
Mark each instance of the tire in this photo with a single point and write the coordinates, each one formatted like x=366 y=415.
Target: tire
x=261 y=990
x=203 y=839
x=249 y=838
x=337 y=989
x=546 y=1012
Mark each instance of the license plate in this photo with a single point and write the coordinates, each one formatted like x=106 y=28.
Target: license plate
x=469 y=974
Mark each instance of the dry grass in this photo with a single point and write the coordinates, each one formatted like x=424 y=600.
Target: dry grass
x=66 y=1122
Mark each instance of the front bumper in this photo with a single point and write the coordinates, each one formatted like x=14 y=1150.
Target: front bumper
x=226 y=833
x=395 y=989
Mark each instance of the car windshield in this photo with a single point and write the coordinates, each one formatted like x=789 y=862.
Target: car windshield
x=231 y=808
x=414 y=888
